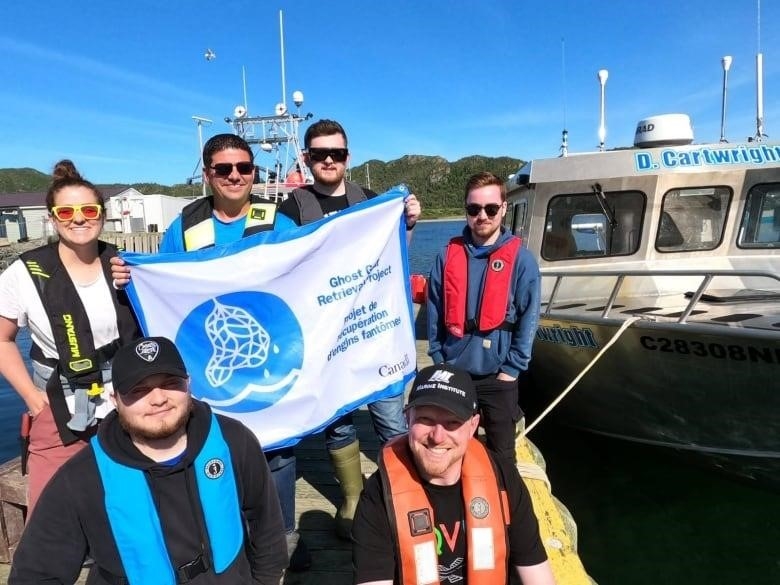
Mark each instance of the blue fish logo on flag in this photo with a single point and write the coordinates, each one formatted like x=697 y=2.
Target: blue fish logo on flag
x=248 y=340
x=287 y=331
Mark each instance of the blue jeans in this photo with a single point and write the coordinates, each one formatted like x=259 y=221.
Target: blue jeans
x=386 y=414
x=283 y=469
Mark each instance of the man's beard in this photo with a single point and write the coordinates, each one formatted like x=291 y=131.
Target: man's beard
x=162 y=431
x=329 y=180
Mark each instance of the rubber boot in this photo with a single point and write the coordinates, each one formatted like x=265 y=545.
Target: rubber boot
x=346 y=464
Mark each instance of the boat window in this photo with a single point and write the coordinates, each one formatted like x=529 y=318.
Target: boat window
x=577 y=226
x=515 y=219
x=692 y=219
x=761 y=219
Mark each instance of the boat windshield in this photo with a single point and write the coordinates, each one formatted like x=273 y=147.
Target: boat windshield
x=760 y=226
x=593 y=224
x=692 y=219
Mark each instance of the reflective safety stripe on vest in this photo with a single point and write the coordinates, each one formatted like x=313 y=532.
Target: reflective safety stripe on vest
x=413 y=518
x=135 y=522
x=494 y=295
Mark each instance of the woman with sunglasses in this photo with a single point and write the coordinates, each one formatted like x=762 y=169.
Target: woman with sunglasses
x=62 y=291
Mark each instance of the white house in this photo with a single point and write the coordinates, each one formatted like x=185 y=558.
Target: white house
x=132 y=211
x=23 y=216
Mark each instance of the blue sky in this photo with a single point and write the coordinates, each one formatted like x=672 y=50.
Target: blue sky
x=114 y=85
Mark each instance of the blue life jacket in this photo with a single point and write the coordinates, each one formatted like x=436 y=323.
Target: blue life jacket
x=135 y=522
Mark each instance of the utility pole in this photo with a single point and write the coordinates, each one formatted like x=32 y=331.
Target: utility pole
x=200 y=121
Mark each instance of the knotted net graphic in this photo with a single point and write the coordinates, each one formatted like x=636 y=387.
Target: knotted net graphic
x=237 y=341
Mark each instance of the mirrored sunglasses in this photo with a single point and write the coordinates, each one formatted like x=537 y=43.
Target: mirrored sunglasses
x=224 y=169
x=68 y=212
x=321 y=154
x=491 y=209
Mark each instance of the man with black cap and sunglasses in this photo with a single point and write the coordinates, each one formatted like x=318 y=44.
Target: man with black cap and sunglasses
x=483 y=309
x=441 y=508
x=327 y=156
x=167 y=492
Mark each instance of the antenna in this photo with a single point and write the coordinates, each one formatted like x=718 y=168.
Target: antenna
x=281 y=42
x=243 y=78
x=564 y=133
x=726 y=63
x=602 y=76
x=759 y=82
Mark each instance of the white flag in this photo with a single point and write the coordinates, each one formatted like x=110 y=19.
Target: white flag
x=288 y=331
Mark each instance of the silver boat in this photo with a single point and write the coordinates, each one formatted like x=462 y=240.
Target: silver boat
x=660 y=267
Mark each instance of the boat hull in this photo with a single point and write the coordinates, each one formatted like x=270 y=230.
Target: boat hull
x=708 y=392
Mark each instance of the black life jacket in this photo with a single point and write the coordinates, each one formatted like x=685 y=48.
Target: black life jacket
x=309 y=208
x=197 y=226
x=79 y=360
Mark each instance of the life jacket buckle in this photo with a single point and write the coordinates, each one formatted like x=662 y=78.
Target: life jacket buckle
x=95 y=390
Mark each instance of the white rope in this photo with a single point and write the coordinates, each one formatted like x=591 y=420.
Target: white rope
x=626 y=324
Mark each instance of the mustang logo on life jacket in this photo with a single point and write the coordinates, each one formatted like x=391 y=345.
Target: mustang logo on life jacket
x=70 y=330
x=214 y=468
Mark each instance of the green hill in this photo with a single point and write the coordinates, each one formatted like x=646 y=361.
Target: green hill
x=21 y=180
x=437 y=182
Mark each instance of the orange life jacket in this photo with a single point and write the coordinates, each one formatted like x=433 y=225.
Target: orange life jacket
x=495 y=291
x=412 y=516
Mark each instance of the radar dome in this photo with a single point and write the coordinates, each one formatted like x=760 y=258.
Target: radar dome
x=664 y=130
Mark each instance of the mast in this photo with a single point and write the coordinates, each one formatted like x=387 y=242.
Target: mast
x=726 y=63
x=602 y=76
x=564 y=133
x=759 y=82
x=281 y=43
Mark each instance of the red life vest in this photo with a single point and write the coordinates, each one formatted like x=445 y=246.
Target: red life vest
x=412 y=516
x=495 y=291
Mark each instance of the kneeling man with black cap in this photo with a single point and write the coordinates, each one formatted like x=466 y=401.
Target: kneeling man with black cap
x=441 y=508
x=167 y=492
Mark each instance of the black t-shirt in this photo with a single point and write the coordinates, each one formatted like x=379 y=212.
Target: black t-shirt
x=373 y=550
x=329 y=204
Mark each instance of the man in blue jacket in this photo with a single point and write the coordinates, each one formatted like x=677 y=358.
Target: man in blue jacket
x=483 y=308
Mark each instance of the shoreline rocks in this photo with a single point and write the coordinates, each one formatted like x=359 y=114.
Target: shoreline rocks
x=10 y=252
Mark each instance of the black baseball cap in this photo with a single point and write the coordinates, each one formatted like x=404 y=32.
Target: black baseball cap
x=142 y=358
x=447 y=387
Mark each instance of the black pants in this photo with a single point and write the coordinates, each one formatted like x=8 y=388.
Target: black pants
x=499 y=414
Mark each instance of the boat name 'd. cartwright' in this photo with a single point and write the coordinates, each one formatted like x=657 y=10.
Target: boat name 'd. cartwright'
x=672 y=158
x=573 y=336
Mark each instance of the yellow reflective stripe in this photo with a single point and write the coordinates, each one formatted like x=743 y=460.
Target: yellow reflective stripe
x=199 y=236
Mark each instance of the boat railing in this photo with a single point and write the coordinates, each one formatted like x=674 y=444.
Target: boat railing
x=706 y=276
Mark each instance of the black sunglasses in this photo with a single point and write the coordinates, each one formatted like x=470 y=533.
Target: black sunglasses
x=321 y=154
x=491 y=209
x=224 y=169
